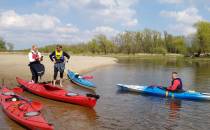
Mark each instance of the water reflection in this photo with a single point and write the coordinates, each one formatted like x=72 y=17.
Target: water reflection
x=174 y=107
x=74 y=117
x=66 y=116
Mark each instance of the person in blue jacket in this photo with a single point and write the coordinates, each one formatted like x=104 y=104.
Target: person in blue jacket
x=58 y=57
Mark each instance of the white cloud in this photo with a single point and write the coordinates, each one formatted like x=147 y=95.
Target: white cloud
x=31 y=28
x=106 y=30
x=62 y=4
x=171 y=1
x=105 y=11
x=69 y=28
x=184 y=19
x=24 y=30
x=188 y=16
x=117 y=15
x=131 y=22
x=182 y=29
x=117 y=11
x=11 y=20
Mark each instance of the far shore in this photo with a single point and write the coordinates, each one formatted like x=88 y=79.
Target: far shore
x=108 y=55
x=16 y=64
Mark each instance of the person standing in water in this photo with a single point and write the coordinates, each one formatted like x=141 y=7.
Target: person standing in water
x=176 y=83
x=58 y=57
x=37 y=69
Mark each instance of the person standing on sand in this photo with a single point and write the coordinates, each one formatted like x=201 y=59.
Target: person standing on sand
x=58 y=57
x=37 y=69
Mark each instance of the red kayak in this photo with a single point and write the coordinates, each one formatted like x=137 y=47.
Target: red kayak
x=59 y=94
x=21 y=111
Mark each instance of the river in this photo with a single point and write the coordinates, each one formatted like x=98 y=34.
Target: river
x=117 y=110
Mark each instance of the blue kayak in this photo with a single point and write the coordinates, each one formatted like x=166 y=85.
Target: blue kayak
x=161 y=91
x=80 y=81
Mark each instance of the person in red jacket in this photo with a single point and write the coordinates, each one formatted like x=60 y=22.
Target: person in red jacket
x=176 y=83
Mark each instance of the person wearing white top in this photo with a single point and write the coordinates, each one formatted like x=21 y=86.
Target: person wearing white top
x=34 y=58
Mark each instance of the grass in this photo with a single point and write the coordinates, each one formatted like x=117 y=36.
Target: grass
x=146 y=56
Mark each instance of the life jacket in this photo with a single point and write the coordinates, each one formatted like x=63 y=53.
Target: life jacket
x=59 y=55
x=179 y=87
x=35 y=56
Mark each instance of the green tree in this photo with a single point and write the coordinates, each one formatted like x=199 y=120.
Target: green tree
x=106 y=45
x=93 y=46
x=2 y=45
x=138 y=42
x=168 y=38
x=179 y=45
x=202 y=37
x=127 y=42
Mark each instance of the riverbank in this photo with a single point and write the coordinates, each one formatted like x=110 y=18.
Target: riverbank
x=146 y=56
x=15 y=64
x=158 y=56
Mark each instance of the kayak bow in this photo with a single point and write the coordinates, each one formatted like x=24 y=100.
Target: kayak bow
x=22 y=111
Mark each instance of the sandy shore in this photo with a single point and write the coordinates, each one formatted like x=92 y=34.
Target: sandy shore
x=13 y=65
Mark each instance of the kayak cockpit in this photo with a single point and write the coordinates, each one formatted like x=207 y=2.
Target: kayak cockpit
x=49 y=87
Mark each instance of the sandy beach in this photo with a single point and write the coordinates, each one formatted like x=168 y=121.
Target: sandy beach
x=13 y=65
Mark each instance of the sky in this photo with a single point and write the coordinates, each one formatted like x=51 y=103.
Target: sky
x=43 y=22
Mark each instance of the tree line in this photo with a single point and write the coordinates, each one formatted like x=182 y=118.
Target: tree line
x=5 y=46
x=133 y=42
x=146 y=41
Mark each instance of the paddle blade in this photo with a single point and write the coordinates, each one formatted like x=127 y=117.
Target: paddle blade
x=37 y=105
x=17 y=90
x=87 y=77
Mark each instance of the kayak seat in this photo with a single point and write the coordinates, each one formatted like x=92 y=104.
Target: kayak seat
x=33 y=113
x=71 y=94
x=8 y=93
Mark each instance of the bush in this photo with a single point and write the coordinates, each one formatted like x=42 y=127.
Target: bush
x=159 y=50
x=2 y=45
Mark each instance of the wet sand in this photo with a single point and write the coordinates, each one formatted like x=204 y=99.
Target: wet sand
x=64 y=116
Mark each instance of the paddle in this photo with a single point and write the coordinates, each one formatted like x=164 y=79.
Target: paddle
x=34 y=104
x=84 y=77
x=87 y=77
